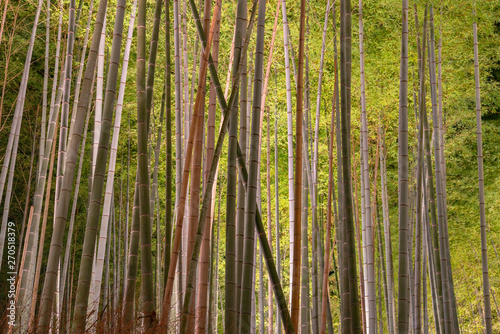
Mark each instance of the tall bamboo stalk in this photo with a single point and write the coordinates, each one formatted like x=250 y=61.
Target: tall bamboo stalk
x=276 y=194
x=253 y=159
x=482 y=211
x=147 y=287
x=331 y=189
x=351 y=321
x=298 y=174
x=369 y=235
x=168 y=144
x=244 y=131
x=291 y=192
x=207 y=255
x=65 y=266
x=42 y=238
x=403 y=298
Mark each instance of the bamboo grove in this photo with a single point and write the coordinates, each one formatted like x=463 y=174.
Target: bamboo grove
x=278 y=166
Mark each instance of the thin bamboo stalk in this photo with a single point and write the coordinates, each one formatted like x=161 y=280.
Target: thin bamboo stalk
x=482 y=211
x=42 y=239
x=291 y=192
x=295 y=291
x=351 y=320
x=369 y=235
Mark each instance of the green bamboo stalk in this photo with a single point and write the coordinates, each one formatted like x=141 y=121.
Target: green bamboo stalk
x=235 y=205
x=253 y=159
x=351 y=321
x=276 y=194
x=403 y=295
x=331 y=192
x=168 y=144
x=42 y=238
x=73 y=211
x=298 y=174
x=305 y=318
x=291 y=192
x=482 y=211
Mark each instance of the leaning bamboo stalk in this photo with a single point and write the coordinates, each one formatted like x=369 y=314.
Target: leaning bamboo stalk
x=62 y=208
x=482 y=211
x=153 y=47
x=28 y=267
x=18 y=280
x=42 y=239
x=23 y=231
x=73 y=210
x=3 y=24
x=99 y=97
x=56 y=71
x=63 y=131
x=45 y=88
x=82 y=62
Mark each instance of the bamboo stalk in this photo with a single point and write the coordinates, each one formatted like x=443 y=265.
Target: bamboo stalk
x=482 y=211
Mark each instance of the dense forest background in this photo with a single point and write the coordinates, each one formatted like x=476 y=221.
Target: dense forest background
x=382 y=46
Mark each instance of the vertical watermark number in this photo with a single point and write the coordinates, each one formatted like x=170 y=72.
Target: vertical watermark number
x=11 y=273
